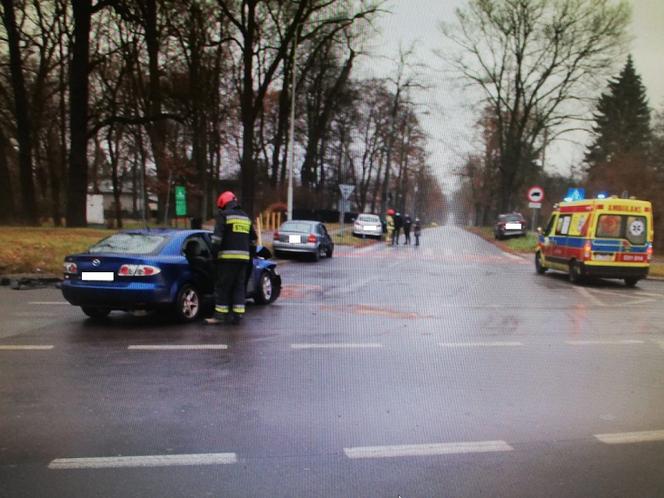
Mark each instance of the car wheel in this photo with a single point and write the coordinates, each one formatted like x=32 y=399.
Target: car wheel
x=317 y=253
x=265 y=293
x=575 y=275
x=539 y=267
x=96 y=312
x=631 y=281
x=187 y=304
x=329 y=251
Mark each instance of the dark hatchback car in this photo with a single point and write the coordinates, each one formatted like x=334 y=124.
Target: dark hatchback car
x=303 y=237
x=156 y=269
x=510 y=224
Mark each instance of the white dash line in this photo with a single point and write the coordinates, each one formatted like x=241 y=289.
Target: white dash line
x=143 y=461
x=601 y=342
x=408 y=450
x=480 y=344
x=337 y=345
x=49 y=302
x=172 y=347
x=630 y=437
x=26 y=347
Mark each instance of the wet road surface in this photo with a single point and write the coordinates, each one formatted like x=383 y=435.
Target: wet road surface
x=451 y=369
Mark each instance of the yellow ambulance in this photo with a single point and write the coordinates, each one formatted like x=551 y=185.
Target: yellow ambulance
x=606 y=238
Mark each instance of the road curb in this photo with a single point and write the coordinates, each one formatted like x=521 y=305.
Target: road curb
x=22 y=281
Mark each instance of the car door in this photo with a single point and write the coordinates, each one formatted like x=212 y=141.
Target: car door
x=325 y=237
x=198 y=252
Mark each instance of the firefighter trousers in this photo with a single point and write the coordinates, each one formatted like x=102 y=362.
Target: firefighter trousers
x=230 y=288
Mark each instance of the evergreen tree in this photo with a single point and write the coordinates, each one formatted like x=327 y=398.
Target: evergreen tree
x=622 y=120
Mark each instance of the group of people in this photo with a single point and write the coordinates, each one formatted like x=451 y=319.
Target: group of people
x=395 y=222
x=234 y=244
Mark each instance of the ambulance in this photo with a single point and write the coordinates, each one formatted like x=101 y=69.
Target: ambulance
x=605 y=238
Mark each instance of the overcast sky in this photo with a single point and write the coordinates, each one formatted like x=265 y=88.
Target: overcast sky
x=450 y=117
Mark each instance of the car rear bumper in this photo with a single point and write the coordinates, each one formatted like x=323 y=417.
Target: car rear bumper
x=135 y=295
x=367 y=233
x=300 y=248
x=615 y=271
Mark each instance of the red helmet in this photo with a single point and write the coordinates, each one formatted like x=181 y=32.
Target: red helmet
x=225 y=198
x=390 y=212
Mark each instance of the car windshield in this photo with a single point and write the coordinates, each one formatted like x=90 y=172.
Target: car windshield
x=297 y=226
x=369 y=218
x=129 y=243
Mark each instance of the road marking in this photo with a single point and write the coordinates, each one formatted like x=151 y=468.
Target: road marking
x=427 y=449
x=586 y=293
x=600 y=342
x=27 y=347
x=170 y=347
x=339 y=345
x=480 y=344
x=49 y=302
x=631 y=437
x=143 y=461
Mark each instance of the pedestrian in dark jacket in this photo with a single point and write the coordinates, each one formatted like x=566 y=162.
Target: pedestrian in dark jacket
x=407 y=222
x=417 y=230
x=233 y=241
x=398 y=223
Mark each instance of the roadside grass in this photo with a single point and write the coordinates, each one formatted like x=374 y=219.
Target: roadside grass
x=42 y=250
x=526 y=244
x=656 y=270
x=348 y=240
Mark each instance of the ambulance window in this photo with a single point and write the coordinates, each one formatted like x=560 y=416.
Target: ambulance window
x=635 y=229
x=609 y=225
x=563 y=224
x=549 y=226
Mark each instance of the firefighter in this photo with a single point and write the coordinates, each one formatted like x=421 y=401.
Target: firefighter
x=233 y=241
x=389 y=222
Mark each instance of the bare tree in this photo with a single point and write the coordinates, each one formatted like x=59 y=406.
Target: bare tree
x=536 y=62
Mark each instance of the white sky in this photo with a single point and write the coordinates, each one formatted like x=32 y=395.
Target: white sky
x=449 y=120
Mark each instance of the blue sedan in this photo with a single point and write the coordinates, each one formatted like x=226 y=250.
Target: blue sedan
x=156 y=269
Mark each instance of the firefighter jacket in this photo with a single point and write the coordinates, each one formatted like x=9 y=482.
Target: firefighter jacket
x=234 y=238
x=389 y=220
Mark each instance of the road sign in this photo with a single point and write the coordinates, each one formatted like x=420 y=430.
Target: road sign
x=575 y=194
x=346 y=190
x=535 y=194
x=535 y=205
x=180 y=201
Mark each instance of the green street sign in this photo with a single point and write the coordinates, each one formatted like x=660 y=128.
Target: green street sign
x=180 y=201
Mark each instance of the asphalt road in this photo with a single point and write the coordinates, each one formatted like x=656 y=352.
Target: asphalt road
x=451 y=369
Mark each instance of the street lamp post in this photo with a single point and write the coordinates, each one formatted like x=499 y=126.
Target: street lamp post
x=291 y=138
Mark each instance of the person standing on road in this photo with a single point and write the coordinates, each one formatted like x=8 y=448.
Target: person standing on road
x=389 y=222
x=397 y=228
x=233 y=240
x=407 y=223
x=417 y=231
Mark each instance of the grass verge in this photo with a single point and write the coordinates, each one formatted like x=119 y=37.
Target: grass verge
x=30 y=249
x=521 y=245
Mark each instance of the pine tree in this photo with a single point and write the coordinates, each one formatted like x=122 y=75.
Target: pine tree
x=622 y=120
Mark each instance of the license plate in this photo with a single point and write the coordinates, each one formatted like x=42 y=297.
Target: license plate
x=513 y=226
x=603 y=257
x=294 y=239
x=98 y=276
x=373 y=228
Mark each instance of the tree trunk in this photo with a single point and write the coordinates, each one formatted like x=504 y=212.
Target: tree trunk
x=6 y=192
x=77 y=178
x=22 y=116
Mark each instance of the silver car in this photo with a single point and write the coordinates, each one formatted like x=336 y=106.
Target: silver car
x=368 y=225
x=303 y=237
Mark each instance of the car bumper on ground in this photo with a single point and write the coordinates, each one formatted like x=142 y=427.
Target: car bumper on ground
x=365 y=232
x=135 y=295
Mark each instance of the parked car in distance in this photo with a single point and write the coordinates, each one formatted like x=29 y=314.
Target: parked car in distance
x=303 y=237
x=510 y=224
x=368 y=225
x=156 y=269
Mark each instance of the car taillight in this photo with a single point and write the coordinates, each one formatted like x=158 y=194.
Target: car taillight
x=312 y=238
x=138 y=271
x=275 y=236
x=587 y=248
x=71 y=268
x=649 y=252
